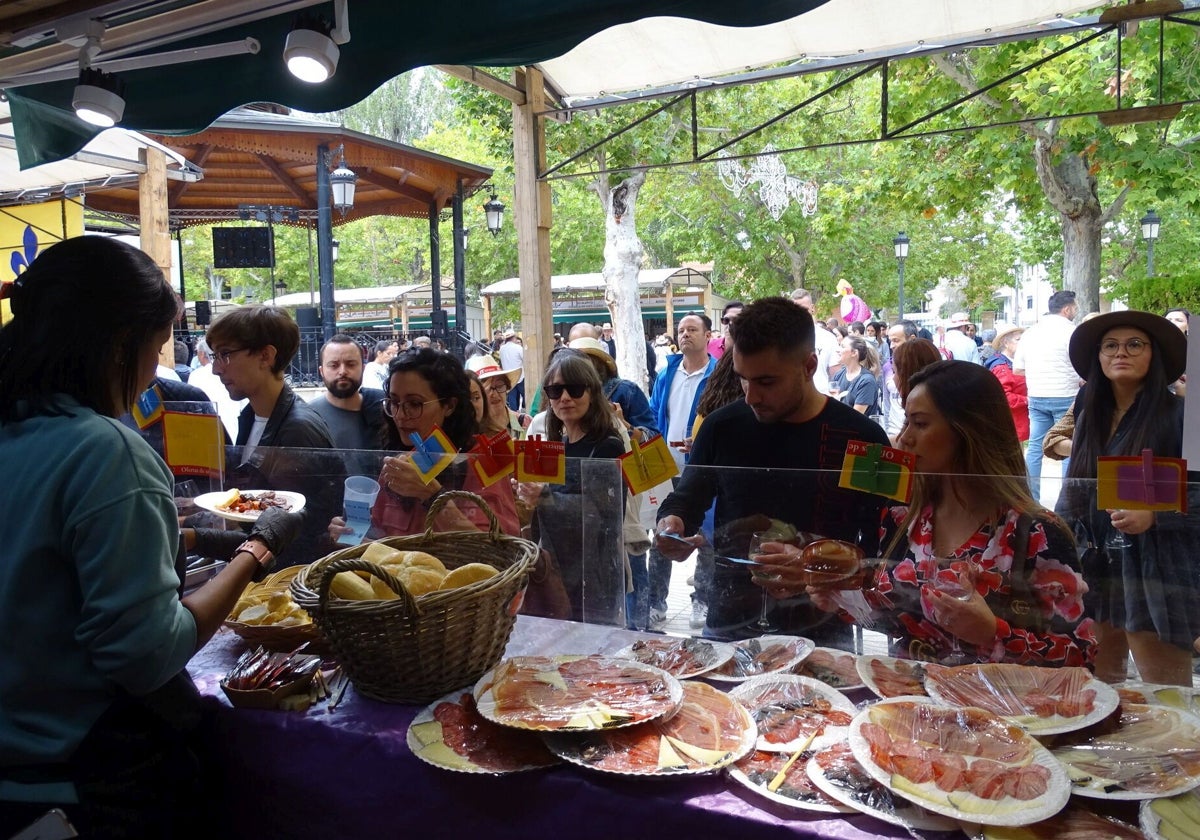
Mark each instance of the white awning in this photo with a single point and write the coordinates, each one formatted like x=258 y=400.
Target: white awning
x=647 y=277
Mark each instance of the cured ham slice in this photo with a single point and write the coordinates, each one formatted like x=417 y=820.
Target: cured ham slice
x=1075 y=823
x=889 y=677
x=788 y=710
x=832 y=667
x=1016 y=690
x=484 y=743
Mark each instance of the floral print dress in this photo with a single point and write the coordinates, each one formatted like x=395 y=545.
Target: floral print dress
x=1040 y=618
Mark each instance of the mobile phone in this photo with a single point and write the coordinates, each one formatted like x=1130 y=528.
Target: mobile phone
x=675 y=537
x=52 y=825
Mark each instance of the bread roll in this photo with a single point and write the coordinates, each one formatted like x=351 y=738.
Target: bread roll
x=470 y=573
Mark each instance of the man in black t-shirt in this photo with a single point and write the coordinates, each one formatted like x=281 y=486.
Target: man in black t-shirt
x=746 y=457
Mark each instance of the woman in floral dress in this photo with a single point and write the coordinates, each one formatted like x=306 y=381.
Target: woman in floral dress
x=969 y=515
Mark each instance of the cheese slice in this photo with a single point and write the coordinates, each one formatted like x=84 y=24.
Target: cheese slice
x=229 y=498
x=551 y=678
x=429 y=732
x=707 y=757
x=668 y=759
x=439 y=753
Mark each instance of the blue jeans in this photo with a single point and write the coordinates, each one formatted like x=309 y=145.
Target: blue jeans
x=516 y=396
x=1044 y=412
x=637 y=602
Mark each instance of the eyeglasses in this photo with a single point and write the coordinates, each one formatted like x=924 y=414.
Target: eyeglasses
x=409 y=409
x=1132 y=347
x=499 y=385
x=727 y=321
x=222 y=356
x=575 y=389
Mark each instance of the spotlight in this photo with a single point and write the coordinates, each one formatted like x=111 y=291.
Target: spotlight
x=99 y=98
x=310 y=54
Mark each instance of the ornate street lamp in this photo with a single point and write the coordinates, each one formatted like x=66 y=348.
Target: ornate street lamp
x=901 y=245
x=1150 y=225
x=494 y=210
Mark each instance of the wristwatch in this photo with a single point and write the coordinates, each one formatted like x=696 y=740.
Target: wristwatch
x=262 y=554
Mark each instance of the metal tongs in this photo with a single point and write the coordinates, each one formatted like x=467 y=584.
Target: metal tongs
x=262 y=669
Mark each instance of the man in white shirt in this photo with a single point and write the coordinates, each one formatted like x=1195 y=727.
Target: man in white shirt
x=512 y=357
x=374 y=373
x=827 y=345
x=1043 y=359
x=960 y=346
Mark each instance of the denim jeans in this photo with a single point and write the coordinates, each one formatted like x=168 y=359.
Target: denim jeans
x=516 y=396
x=1044 y=412
x=637 y=602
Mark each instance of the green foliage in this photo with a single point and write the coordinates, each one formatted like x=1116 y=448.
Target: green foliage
x=1160 y=293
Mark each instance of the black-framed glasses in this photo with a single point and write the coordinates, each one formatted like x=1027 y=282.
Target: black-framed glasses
x=1133 y=347
x=222 y=356
x=409 y=409
x=497 y=385
x=575 y=389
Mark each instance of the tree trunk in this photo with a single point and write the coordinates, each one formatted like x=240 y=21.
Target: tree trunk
x=622 y=261
x=1070 y=187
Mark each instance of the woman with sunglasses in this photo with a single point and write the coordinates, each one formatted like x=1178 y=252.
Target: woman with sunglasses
x=1139 y=565
x=427 y=389
x=593 y=572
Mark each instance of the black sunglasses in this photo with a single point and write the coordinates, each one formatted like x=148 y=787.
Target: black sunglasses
x=575 y=389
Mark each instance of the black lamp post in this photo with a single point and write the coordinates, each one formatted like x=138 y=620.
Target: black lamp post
x=1150 y=225
x=901 y=245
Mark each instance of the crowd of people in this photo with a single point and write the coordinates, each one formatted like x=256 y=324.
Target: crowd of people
x=95 y=629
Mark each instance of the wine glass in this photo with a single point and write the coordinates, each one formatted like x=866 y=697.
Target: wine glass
x=953 y=586
x=755 y=551
x=1115 y=542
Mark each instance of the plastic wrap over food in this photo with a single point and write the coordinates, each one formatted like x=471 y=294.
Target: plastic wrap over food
x=450 y=733
x=758 y=770
x=1144 y=752
x=1075 y=823
x=965 y=763
x=763 y=655
x=681 y=658
x=1042 y=700
x=835 y=668
x=891 y=677
x=1175 y=817
x=709 y=731
x=575 y=693
x=792 y=711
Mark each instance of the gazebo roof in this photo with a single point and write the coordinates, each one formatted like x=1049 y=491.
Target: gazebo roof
x=262 y=158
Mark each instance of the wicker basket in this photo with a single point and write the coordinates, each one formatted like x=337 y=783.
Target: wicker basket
x=274 y=636
x=416 y=650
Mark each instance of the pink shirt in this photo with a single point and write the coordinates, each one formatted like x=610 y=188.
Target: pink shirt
x=716 y=347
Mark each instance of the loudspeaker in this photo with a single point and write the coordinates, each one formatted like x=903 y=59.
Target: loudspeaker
x=203 y=313
x=243 y=248
x=308 y=319
x=438 y=322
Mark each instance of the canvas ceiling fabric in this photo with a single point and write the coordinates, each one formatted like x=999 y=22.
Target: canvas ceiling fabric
x=654 y=42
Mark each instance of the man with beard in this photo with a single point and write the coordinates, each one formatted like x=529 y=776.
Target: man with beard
x=354 y=414
x=783 y=426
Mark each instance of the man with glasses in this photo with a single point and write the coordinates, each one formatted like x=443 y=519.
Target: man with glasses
x=252 y=346
x=716 y=347
x=352 y=413
x=1043 y=359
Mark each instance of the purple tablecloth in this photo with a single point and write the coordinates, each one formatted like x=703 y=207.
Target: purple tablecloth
x=349 y=774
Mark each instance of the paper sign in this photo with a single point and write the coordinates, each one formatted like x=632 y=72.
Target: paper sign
x=541 y=460
x=647 y=465
x=148 y=407
x=193 y=444
x=1141 y=482
x=878 y=469
x=494 y=457
x=432 y=455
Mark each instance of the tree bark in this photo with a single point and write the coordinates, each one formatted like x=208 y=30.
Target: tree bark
x=1070 y=187
x=622 y=262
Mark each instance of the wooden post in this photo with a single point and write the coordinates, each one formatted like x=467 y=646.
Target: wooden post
x=670 y=310
x=404 y=315
x=486 y=338
x=155 y=227
x=532 y=217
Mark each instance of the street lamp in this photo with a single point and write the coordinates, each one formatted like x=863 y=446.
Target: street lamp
x=1017 y=294
x=494 y=209
x=334 y=250
x=1150 y=225
x=901 y=245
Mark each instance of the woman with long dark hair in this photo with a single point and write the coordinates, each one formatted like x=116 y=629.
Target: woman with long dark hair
x=972 y=528
x=855 y=384
x=1141 y=566
x=427 y=389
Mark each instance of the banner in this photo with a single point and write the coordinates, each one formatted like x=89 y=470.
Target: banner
x=27 y=230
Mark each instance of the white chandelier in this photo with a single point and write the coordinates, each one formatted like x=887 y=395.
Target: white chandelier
x=777 y=189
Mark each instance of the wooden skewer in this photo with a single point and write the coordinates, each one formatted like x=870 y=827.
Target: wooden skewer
x=777 y=781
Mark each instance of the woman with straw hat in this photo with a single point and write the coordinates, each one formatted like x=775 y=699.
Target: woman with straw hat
x=496 y=383
x=1001 y=364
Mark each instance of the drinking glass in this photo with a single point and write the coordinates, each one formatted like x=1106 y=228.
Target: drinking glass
x=955 y=589
x=1116 y=540
x=764 y=623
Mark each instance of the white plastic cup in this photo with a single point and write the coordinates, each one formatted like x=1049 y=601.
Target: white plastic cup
x=359 y=496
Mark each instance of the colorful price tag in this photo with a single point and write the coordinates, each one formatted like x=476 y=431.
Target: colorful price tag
x=193 y=444
x=148 y=408
x=1141 y=482
x=878 y=469
x=431 y=455
x=648 y=465
x=541 y=460
x=494 y=457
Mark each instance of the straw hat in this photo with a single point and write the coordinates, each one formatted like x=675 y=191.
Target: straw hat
x=1169 y=342
x=958 y=319
x=597 y=349
x=1004 y=330
x=485 y=367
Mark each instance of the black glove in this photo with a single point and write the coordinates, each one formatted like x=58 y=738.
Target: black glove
x=277 y=528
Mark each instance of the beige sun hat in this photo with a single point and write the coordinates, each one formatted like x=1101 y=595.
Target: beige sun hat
x=596 y=348
x=1002 y=331
x=958 y=319
x=485 y=367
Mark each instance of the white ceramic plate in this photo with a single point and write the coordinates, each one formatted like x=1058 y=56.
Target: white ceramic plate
x=574 y=693
x=756 y=771
x=836 y=668
x=908 y=673
x=209 y=501
x=1150 y=816
x=788 y=709
x=682 y=658
x=785 y=652
x=500 y=750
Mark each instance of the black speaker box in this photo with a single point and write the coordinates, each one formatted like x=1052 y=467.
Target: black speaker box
x=203 y=313
x=242 y=248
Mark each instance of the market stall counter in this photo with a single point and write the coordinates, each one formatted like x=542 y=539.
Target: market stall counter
x=349 y=773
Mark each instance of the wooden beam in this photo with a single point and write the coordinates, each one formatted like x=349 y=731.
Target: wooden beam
x=155 y=229
x=1140 y=10
x=397 y=186
x=180 y=187
x=486 y=81
x=1145 y=113
x=287 y=181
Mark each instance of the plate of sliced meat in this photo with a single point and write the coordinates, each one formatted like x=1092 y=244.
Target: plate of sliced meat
x=710 y=730
x=891 y=677
x=762 y=655
x=248 y=505
x=757 y=770
x=792 y=711
x=1074 y=823
x=1175 y=696
x=838 y=773
x=965 y=763
x=451 y=734
x=835 y=668
x=1172 y=817
x=1043 y=701
x=1143 y=752
x=575 y=693
x=681 y=658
